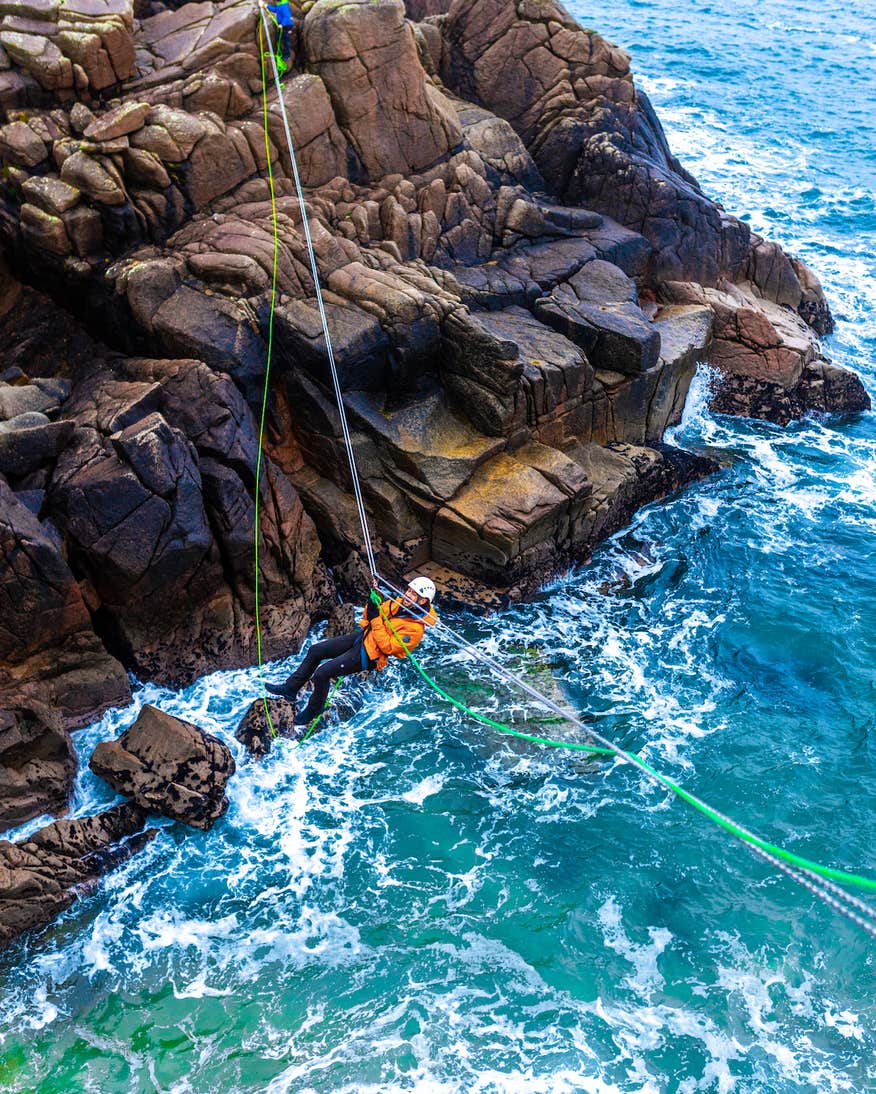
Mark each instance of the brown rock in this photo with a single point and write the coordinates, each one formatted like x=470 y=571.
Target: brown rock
x=366 y=54
x=48 y=650
x=505 y=520
x=44 y=874
x=41 y=58
x=598 y=310
x=216 y=165
x=118 y=122
x=20 y=145
x=93 y=179
x=145 y=169
x=37 y=765
x=43 y=231
x=26 y=445
x=168 y=766
x=254 y=731
x=50 y=194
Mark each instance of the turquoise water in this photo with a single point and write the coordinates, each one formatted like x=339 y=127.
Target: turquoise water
x=410 y=904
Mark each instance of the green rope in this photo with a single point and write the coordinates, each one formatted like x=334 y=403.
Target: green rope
x=264 y=410
x=713 y=815
x=258 y=620
x=319 y=716
x=827 y=872
x=375 y=597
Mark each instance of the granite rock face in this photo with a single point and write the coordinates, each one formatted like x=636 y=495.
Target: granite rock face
x=520 y=280
x=168 y=766
x=43 y=875
x=37 y=765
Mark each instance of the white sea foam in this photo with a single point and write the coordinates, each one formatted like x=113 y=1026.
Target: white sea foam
x=432 y=784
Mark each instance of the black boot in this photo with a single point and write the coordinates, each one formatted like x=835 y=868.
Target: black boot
x=287 y=692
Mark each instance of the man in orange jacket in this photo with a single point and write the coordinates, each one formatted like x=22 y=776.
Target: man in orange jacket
x=389 y=629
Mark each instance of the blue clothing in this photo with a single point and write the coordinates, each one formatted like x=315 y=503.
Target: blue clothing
x=282 y=13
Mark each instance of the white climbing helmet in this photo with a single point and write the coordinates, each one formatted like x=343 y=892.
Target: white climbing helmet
x=422 y=586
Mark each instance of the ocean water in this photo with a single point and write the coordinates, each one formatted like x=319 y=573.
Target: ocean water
x=409 y=903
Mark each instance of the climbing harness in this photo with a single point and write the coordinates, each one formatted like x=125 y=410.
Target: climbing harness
x=821 y=881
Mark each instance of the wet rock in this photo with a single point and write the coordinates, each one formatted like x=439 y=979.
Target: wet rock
x=821 y=388
x=43 y=875
x=768 y=364
x=254 y=731
x=168 y=766
x=343 y=619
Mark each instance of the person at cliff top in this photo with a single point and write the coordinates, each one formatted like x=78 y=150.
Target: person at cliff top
x=389 y=628
x=282 y=14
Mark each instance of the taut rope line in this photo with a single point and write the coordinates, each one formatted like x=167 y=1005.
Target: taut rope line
x=815 y=878
x=314 y=270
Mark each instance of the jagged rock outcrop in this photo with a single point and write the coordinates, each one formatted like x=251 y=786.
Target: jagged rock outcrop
x=519 y=276
x=44 y=874
x=255 y=731
x=168 y=766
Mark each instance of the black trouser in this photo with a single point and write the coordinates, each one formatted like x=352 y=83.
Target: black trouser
x=326 y=660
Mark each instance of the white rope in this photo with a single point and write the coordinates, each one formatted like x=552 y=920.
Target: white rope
x=825 y=890
x=314 y=269
x=840 y=900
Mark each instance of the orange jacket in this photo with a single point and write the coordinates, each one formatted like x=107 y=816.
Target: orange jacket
x=381 y=643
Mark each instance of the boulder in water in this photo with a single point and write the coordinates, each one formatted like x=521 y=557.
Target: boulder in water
x=254 y=732
x=168 y=766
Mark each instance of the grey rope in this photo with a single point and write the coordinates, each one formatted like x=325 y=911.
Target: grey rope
x=831 y=895
x=836 y=897
x=314 y=269
x=826 y=891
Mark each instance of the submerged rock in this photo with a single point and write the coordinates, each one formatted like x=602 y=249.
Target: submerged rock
x=168 y=766
x=44 y=874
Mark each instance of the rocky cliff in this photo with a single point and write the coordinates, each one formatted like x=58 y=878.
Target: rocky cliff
x=520 y=279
